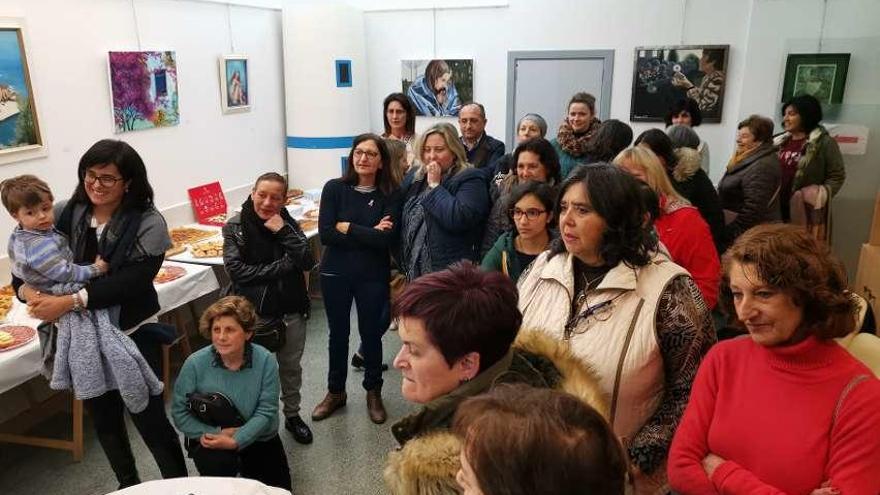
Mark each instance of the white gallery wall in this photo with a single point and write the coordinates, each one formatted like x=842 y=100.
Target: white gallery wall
x=67 y=47
x=487 y=34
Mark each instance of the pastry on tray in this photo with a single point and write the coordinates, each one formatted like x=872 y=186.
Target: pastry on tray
x=168 y=273
x=6 y=296
x=207 y=249
x=189 y=235
x=307 y=224
x=311 y=214
x=175 y=249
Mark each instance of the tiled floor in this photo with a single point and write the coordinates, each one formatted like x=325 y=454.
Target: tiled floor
x=346 y=458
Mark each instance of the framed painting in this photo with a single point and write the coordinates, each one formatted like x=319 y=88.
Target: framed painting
x=143 y=89
x=438 y=88
x=235 y=94
x=822 y=75
x=20 y=137
x=663 y=75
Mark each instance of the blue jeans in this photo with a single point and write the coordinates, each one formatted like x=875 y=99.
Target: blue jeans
x=370 y=297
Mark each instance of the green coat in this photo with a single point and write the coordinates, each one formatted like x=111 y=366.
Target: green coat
x=821 y=163
x=502 y=257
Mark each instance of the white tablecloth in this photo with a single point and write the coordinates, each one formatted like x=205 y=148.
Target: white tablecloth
x=202 y=486
x=20 y=365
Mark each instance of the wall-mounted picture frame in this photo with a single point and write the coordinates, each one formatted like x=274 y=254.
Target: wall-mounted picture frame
x=143 y=90
x=20 y=134
x=439 y=87
x=235 y=91
x=663 y=75
x=822 y=75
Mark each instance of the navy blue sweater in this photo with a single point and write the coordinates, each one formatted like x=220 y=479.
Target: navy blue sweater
x=364 y=252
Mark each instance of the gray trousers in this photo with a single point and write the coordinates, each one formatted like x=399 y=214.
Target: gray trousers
x=289 y=364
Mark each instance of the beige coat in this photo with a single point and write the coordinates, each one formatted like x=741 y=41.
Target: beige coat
x=618 y=341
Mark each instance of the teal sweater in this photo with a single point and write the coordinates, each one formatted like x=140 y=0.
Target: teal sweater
x=253 y=390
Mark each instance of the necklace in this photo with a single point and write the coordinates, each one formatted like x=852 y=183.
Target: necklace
x=589 y=281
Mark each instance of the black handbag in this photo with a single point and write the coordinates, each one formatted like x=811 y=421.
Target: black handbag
x=270 y=333
x=214 y=409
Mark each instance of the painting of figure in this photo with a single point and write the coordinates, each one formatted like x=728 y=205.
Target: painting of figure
x=19 y=129
x=234 y=93
x=143 y=87
x=438 y=87
x=666 y=74
x=822 y=75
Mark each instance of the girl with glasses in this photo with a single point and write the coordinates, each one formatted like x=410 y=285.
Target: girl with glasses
x=530 y=210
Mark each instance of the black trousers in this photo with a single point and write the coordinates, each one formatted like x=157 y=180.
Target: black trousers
x=370 y=297
x=107 y=413
x=265 y=462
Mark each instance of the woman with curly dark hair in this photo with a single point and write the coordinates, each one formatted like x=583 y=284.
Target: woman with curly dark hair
x=634 y=316
x=787 y=410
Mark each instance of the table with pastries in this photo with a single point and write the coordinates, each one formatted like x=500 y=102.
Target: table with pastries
x=177 y=285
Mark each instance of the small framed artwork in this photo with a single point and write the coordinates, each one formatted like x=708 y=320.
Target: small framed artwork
x=235 y=93
x=20 y=137
x=663 y=75
x=822 y=75
x=143 y=88
x=343 y=73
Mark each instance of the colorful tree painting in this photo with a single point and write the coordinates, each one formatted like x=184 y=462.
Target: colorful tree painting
x=144 y=90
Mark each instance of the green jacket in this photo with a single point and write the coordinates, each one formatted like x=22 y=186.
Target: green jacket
x=821 y=162
x=502 y=257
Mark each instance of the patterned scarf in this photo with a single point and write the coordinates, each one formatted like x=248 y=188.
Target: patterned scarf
x=575 y=144
x=416 y=252
x=739 y=156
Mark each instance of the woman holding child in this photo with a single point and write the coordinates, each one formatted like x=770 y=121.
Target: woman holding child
x=111 y=215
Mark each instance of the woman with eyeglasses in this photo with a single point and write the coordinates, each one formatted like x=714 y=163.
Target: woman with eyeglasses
x=530 y=210
x=111 y=215
x=635 y=317
x=357 y=224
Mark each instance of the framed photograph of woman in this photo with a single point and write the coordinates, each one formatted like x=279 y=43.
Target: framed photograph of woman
x=663 y=75
x=20 y=137
x=822 y=75
x=235 y=95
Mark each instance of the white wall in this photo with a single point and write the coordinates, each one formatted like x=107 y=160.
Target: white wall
x=68 y=45
x=486 y=35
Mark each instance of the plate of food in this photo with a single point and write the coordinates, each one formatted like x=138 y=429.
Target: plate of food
x=207 y=249
x=6 y=297
x=169 y=273
x=15 y=336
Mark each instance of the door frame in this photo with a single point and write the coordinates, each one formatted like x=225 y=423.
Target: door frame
x=607 y=57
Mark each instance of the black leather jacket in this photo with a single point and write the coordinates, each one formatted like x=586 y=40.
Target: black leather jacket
x=277 y=288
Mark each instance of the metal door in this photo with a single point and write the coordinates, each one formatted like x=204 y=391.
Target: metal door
x=543 y=82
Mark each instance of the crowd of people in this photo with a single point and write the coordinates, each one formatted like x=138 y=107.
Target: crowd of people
x=560 y=324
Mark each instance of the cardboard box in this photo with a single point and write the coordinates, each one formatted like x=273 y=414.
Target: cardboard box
x=874 y=239
x=868 y=276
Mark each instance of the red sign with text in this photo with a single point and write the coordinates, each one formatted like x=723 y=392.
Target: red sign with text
x=209 y=204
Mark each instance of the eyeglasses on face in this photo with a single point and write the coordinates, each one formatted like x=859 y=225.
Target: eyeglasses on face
x=105 y=180
x=531 y=213
x=358 y=154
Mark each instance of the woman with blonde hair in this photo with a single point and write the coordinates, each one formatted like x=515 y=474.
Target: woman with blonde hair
x=445 y=204
x=680 y=227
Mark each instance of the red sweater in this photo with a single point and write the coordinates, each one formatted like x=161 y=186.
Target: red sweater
x=768 y=412
x=686 y=235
